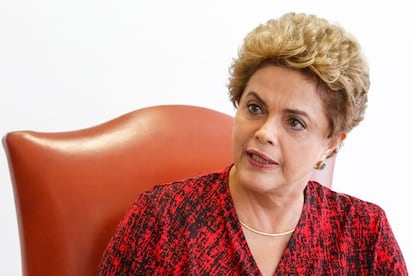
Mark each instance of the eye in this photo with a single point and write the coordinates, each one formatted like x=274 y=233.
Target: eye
x=296 y=124
x=254 y=109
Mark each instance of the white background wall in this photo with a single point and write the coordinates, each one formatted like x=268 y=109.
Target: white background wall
x=72 y=64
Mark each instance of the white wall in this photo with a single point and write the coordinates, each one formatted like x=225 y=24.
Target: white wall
x=72 y=64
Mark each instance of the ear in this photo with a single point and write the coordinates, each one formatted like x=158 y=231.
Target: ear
x=334 y=143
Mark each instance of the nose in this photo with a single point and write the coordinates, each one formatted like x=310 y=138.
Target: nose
x=267 y=133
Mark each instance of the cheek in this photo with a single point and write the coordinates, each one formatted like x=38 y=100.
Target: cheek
x=237 y=140
x=242 y=134
x=299 y=155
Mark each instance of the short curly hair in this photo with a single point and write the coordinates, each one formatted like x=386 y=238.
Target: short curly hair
x=317 y=47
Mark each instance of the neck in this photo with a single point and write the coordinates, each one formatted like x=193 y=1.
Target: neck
x=261 y=233
x=266 y=212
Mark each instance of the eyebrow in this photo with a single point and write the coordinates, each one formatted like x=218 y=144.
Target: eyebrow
x=297 y=112
x=254 y=94
x=293 y=111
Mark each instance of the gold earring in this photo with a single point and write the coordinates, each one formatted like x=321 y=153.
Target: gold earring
x=320 y=165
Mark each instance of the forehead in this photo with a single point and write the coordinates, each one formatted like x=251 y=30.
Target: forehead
x=278 y=81
x=283 y=78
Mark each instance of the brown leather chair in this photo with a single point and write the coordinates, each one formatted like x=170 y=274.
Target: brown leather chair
x=72 y=188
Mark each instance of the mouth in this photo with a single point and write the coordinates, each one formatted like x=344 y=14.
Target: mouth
x=258 y=158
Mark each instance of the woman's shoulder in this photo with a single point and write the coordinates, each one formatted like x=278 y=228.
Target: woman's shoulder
x=343 y=202
x=179 y=192
x=168 y=203
x=194 y=184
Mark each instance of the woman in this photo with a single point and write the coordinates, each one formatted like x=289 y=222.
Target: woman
x=299 y=85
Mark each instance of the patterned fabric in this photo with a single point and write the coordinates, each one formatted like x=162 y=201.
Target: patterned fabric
x=190 y=227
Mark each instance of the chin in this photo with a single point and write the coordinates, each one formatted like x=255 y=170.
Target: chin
x=263 y=181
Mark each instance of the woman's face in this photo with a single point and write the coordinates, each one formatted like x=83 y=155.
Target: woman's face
x=280 y=130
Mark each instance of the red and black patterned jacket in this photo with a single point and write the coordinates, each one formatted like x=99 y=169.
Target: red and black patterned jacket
x=190 y=227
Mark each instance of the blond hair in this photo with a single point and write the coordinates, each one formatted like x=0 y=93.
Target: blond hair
x=315 y=46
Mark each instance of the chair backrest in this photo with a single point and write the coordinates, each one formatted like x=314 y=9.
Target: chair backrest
x=72 y=188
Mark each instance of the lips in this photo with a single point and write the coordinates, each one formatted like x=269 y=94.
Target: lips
x=260 y=158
